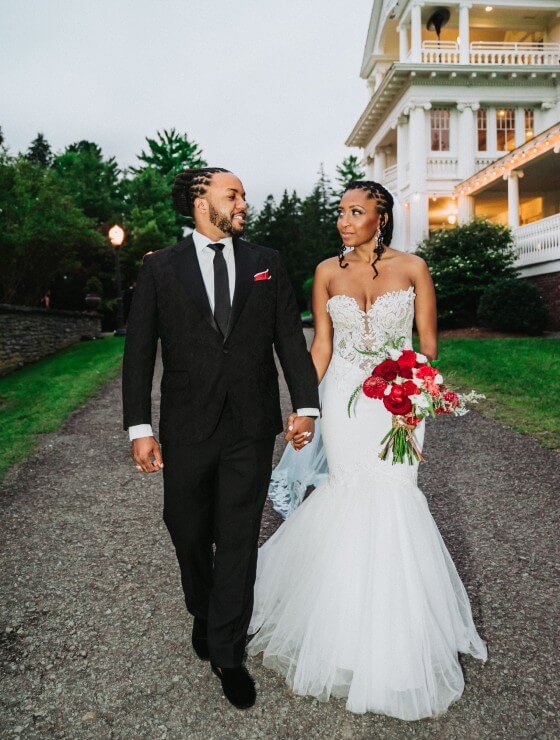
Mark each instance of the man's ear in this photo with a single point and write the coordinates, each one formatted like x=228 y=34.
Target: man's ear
x=201 y=205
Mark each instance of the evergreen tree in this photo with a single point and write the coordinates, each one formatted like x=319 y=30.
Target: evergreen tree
x=91 y=181
x=349 y=170
x=149 y=217
x=171 y=153
x=40 y=151
x=43 y=234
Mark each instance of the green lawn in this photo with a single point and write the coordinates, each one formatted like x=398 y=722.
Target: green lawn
x=520 y=378
x=38 y=398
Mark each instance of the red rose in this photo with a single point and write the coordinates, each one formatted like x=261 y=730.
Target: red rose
x=442 y=411
x=374 y=386
x=388 y=370
x=409 y=388
x=451 y=398
x=405 y=372
x=397 y=402
x=407 y=358
x=427 y=371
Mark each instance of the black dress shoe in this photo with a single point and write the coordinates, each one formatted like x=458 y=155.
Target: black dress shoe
x=199 y=638
x=237 y=685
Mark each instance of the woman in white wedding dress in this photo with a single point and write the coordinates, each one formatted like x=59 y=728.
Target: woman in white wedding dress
x=356 y=593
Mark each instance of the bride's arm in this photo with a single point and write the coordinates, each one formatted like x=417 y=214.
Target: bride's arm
x=321 y=347
x=425 y=311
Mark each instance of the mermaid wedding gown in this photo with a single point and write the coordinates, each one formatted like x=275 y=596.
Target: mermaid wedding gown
x=356 y=594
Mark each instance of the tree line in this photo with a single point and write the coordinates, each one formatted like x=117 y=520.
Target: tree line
x=56 y=210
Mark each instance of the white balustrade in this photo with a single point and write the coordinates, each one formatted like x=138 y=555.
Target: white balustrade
x=481 y=162
x=538 y=241
x=440 y=52
x=492 y=52
x=507 y=52
x=390 y=177
x=442 y=167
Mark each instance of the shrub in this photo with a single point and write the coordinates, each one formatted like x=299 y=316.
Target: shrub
x=513 y=305
x=463 y=263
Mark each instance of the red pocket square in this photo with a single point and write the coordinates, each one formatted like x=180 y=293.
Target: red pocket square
x=262 y=276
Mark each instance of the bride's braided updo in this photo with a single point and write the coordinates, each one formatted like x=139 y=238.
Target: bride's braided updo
x=384 y=202
x=191 y=184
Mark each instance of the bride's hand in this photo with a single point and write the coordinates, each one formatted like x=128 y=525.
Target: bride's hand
x=300 y=430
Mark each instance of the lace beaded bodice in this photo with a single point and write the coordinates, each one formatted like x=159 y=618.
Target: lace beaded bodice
x=390 y=317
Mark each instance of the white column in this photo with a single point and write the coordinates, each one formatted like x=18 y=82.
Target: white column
x=519 y=126
x=403 y=43
x=416 y=32
x=513 y=198
x=417 y=153
x=379 y=164
x=466 y=151
x=402 y=151
x=464 y=32
x=491 y=133
x=465 y=208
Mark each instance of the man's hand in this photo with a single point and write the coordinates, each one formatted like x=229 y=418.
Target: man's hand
x=299 y=430
x=143 y=450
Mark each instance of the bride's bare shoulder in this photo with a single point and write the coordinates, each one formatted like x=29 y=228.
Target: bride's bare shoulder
x=326 y=268
x=410 y=261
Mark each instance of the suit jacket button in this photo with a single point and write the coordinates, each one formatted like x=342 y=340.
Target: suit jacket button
x=225 y=351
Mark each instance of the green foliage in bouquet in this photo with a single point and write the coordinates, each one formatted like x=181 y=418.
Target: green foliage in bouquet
x=464 y=262
x=513 y=305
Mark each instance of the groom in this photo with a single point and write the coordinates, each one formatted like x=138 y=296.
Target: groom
x=219 y=305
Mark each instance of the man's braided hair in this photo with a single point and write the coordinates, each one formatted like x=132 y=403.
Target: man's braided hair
x=192 y=184
x=384 y=203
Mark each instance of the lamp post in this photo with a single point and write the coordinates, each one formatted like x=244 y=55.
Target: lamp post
x=116 y=237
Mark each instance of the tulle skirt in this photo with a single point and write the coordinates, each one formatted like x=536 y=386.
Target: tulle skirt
x=356 y=594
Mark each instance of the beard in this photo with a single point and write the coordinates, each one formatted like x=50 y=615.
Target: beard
x=224 y=222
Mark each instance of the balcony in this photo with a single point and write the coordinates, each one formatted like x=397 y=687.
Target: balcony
x=390 y=177
x=494 y=52
x=537 y=242
x=442 y=168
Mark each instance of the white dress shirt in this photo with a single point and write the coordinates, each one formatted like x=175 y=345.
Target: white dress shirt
x=206 y=261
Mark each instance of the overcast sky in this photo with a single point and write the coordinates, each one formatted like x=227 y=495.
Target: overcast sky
x=268 y=89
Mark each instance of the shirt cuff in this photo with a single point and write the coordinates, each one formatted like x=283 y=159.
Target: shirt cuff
x=308 y=412
x=140 y=430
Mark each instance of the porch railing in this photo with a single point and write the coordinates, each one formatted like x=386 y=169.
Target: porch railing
x=492 y=52
x=442 y=167
x=507 y=52
x=538 y=241
x=390 y=177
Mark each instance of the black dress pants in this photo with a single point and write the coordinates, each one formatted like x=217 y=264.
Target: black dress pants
x=214 y=494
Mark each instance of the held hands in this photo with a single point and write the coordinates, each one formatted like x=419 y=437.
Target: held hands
x=143 y=450
x=299 y=430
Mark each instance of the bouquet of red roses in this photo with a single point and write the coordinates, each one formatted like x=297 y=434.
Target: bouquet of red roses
x=411 y=389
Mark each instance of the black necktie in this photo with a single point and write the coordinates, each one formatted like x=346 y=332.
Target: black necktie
x=222 y=302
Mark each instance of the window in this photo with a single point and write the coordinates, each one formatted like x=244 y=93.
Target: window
x=529 y=123
x=439 y=129
x=482 y=129
x=505 y=129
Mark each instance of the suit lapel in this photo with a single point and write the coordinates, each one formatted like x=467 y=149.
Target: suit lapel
x=246 y=264
x=188 y=271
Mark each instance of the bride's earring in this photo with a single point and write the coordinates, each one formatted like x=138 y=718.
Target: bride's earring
x=380 y=246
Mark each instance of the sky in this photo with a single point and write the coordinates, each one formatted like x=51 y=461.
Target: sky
x=268 y=89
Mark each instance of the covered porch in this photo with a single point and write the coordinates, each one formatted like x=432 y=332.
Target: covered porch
x=522 y=190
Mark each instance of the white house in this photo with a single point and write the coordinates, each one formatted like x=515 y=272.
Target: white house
x=466 y=122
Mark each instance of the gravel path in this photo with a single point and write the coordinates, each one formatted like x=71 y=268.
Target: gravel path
x=94 y=638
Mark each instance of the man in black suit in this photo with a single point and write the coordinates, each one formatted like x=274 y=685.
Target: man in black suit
x=219 y=305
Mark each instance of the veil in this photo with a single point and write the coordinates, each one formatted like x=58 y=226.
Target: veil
x=296 y=471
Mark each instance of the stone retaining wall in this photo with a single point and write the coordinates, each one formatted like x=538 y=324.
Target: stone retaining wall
x=29 y=334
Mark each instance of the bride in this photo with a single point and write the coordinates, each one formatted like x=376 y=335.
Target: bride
x=356 y=593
